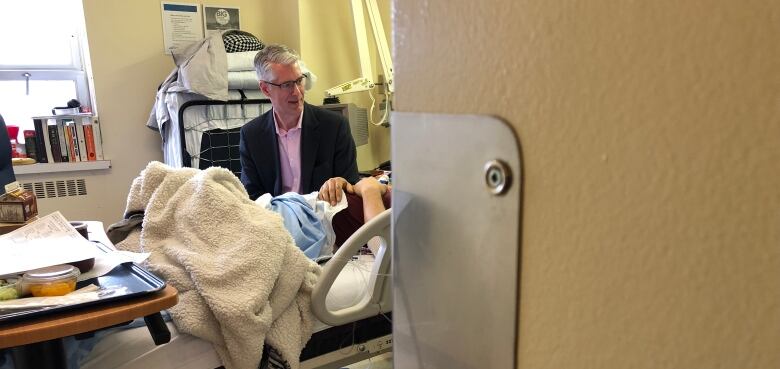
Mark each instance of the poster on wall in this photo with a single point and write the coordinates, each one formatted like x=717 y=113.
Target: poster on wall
x=220 y=18
x=181 y=25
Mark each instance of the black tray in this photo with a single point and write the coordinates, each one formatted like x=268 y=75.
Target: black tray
x=136 y=280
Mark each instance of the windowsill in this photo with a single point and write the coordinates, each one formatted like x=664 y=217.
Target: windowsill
x=61 y=167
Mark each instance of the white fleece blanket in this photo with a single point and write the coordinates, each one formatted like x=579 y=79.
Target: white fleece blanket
x=241 y=279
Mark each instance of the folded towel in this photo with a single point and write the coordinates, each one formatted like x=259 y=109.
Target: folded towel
x=244 y=80
x=239 y=77
x=241 y=61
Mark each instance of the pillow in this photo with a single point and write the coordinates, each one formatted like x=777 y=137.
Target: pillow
x=237 y=41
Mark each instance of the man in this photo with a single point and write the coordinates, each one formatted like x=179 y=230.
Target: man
x=295 y=147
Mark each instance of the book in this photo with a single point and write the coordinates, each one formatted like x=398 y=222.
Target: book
x=89 y=140
x=30 y=146
x=82 y=144
x=49 y=146
x=41 y=139
x=98 y=138
x=70 y=138
x=53 y=139
x=63 y=143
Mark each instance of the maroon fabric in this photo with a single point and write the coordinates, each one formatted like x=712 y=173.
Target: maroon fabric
x=347 y=221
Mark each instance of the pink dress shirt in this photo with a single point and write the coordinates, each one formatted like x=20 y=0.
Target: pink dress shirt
x=290 y=155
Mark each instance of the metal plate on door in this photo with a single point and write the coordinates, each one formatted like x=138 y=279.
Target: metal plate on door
x=456 y=236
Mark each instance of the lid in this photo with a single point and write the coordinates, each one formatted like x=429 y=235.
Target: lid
x=51 y=273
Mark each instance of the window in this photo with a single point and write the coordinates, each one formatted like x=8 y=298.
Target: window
x=44 y=60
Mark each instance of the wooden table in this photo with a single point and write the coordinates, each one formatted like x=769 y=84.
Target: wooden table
x=36 y=342
x=87 y=319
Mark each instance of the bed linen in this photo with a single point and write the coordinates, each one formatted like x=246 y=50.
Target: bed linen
x=134 y=349
x=242 y=281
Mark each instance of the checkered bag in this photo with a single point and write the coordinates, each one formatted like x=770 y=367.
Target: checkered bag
x=237 y=41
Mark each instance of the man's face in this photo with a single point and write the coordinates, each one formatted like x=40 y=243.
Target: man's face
x=287 y=102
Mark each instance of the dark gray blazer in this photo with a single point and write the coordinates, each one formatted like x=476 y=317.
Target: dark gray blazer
x=327 y=151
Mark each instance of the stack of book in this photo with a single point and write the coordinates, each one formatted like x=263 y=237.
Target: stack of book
x=67 y=138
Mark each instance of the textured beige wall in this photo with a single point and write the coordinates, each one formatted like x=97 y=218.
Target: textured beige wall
x=651 y=142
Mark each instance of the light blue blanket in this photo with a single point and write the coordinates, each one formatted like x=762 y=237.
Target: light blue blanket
x=302 y=222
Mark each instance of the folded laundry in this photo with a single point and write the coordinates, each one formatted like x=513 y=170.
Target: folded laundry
x=241 y=61
x=244 y=80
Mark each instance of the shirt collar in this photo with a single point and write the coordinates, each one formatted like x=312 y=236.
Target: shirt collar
x=279 y=131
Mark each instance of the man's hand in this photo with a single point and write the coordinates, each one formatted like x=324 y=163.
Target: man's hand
x=331 y=190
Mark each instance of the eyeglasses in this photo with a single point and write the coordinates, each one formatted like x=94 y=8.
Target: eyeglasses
x=289 y=85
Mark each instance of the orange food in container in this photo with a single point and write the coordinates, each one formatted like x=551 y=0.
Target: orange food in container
x=56 y=280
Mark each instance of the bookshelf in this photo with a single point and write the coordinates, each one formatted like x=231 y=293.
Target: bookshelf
x=67 y=143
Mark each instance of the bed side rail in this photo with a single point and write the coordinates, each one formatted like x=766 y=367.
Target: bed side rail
x=378 y=297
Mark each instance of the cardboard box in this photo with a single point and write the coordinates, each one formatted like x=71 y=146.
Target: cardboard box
x=18 y=206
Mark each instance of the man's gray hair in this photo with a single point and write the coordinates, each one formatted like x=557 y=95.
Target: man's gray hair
x=273 y=54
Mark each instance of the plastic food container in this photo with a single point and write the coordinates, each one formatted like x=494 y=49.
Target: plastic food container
x=55 y=280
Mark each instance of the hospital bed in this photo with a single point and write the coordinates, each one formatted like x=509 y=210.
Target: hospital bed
x=352 y=299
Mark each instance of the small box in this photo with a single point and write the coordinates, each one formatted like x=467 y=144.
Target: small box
x=17 y=205
x=10 y=227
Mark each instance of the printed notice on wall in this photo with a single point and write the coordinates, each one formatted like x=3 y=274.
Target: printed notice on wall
x=220 y=18
x=181 y=25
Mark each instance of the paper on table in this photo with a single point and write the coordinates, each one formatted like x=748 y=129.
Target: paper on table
x=47 y=241
x=104 y=263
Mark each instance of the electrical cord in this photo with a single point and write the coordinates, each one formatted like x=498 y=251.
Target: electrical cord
x=373 y=106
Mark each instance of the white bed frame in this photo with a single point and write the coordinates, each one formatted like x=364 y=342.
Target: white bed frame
x=377 y=300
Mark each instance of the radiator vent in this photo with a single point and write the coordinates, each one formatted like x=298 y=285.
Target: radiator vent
x=59 y=188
